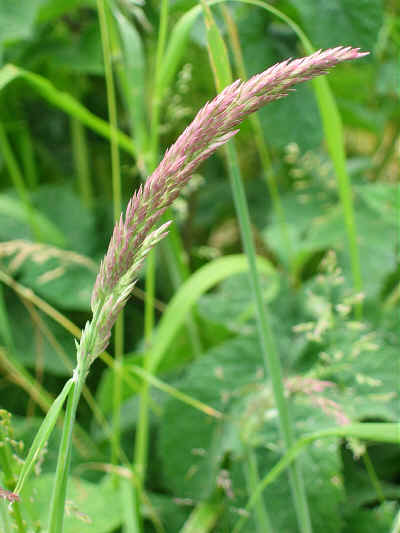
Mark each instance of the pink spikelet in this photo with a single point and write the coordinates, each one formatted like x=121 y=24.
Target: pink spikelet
x=212 y=127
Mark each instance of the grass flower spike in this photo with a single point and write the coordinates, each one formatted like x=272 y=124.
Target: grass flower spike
x=213 y=126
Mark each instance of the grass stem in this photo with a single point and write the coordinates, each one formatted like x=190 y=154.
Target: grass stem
x=105 y=31
x=221 y=68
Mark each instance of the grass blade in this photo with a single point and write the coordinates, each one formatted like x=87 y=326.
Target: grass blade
x=378 y=432
x=42 y=436
x=65 y=102
x=204 y=517
x=187 y=295
x=218 y=55
x=132 y=78
x=175 y=49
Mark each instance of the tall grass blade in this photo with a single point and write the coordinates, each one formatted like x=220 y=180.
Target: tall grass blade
x=217 y=53
x=333 y=129
x=175 y=49
x=18 y=181
x=204 y=517
x=65 y=102
x=105 y=31
x=132 y=80
x=259 y=139
x=201 y=281
x=42 y=436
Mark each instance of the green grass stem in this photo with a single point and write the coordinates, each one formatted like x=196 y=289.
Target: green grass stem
x=268 y=345
x=221 y=68
x=142 y=430
x=263 y=522
x=106 y=41
x=333 y=129
x=259 y=138
x=56 y=513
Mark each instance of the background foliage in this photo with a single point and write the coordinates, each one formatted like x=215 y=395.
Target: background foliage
x=56 y=215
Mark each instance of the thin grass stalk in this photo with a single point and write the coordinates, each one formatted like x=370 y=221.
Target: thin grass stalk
x=17 y=179
x=218 y=57
x=376 y=484
x=177 y=269
x=142 y=429
x=259 y=139
x=333 y=129
x=81 y=161
x=117 y=204
x=28 y=156
x=205 y=515
x=56 y=514
x=262 y=519
x=154 y=147
x=268 y=345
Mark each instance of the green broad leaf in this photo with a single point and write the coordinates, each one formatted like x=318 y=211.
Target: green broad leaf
x=232 y=304
x=219 y=378
x=55 y=8
x=17 y=19
x=350 y=22
x=375 y=432
x=15 y=222
x=62 y=277
x=82 y=54
x=230 y=378
x=382 y=198
x=64 y=208
x=321 y=470
x=377 y=520
x=311 y=231
x=188 y=294
x=61 y=282
x=367 y=381
x=361 y=493
x=42 y=436
x=279 y=127
x=65 y=102
x=91 y=507
x=40 y=341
